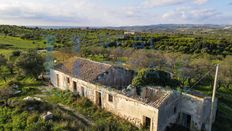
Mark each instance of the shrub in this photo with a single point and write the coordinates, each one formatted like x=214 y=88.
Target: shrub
x=154 y=77
x=16 y=53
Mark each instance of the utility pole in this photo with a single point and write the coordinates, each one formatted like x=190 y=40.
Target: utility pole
x=213 y=98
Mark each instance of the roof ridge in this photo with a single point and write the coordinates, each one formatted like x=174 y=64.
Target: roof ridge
x=92 y=61
x=84 y=69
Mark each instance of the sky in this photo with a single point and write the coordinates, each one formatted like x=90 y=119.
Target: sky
x=114 y=12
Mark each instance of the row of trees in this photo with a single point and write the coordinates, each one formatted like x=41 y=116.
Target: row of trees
x=188 y=45
x=188 y=69
x=214 y=44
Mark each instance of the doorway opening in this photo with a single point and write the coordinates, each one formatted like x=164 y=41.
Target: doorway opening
x=98 y=99
x=186 y=120
x=57 y=80
x=82 y=91
x=74 y=86
x=147 y=122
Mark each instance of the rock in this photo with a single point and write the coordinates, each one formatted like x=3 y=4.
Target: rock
x=48 y=116
x=15 y=86
x=37 y=99
x=30 y=108
x=17 y=92
x=29 y=98
x=129 y=87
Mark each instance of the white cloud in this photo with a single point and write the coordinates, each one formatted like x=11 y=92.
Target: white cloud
x=68 y=12
x=156 y=3
x=200 y=1
x=97 y=13
x=188 y=14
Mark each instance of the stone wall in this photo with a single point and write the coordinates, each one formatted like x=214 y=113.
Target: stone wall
x=125 y=107
x=199 y=109
x=116 y=77
x=169 y=111
x=135 y=111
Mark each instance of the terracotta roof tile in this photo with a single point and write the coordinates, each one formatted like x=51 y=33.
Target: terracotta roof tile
x=83 y=69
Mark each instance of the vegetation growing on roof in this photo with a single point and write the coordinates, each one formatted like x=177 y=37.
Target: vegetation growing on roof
x=154 y=77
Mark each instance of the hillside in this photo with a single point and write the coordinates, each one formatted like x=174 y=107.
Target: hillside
x=188 y=52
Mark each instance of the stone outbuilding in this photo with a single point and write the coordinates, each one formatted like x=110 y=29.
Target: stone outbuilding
x=154 y=108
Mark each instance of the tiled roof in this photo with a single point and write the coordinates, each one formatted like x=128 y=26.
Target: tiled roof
x=83 y=69
x=155 y=96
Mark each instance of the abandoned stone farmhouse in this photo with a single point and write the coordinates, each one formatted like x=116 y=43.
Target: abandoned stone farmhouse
x=109 y=87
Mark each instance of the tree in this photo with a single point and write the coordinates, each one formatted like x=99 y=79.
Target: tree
x=171 y=61
x=30 y=63
x=116 y=53
x=190 y=71
x=225 y=73
x=138 y=60
x=6 y=32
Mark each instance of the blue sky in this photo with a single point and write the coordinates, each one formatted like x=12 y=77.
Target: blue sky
x=114 y=12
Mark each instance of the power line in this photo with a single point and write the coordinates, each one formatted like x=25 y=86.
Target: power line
x=200 y=79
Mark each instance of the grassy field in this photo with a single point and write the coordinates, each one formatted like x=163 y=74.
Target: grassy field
x=22 y=115
x=6 y=51
x=18 y=43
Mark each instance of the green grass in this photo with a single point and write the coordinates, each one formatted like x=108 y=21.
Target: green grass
x=224 y=113
x=6 y=52
x=18 y=43
x=18 y=117
x=103 y=120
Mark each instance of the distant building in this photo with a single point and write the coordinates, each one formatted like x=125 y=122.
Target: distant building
x=154 y=108
x=129 y=33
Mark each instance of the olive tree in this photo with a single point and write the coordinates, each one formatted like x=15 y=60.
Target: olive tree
x=30 y=63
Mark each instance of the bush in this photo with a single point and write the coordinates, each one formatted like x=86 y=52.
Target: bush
x=154 y=77
x=16 y=53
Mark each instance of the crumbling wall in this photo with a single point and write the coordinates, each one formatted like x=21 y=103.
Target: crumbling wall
x=130 y=109
x=168 y=112
x=116 y=77
x=199 y=109
x=125 y=107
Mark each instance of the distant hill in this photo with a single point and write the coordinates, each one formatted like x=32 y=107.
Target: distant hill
x=148 y=28
x=170 y=27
